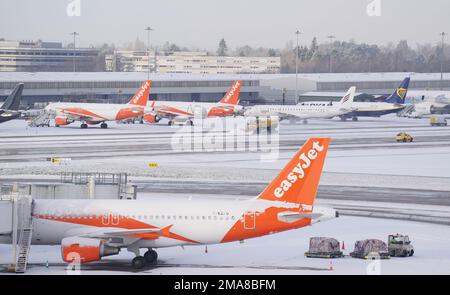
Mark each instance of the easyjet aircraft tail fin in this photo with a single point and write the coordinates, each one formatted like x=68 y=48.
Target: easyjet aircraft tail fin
x=232 y=96
x=299 y=179
x=140 y=98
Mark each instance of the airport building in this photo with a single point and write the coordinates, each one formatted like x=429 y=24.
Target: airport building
x=130 y=61
x=190 y=63
x=40 y=56
x=118 y=87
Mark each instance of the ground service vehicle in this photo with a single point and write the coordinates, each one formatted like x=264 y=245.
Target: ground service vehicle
x=400 y=246
x=438 y=121
x=404 y=137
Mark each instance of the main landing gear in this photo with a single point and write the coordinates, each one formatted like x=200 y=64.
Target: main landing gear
x=150 y=258
x=83 y=126
x=103 y=125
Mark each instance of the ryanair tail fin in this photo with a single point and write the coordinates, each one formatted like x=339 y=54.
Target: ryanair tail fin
x=232 y=96
x=12 y=102
x=299 y=179
x=140 y=98
x=348 y=97
x=398 y=96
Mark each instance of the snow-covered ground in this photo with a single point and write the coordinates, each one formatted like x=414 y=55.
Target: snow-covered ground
x=363 y=154
x=277 y=254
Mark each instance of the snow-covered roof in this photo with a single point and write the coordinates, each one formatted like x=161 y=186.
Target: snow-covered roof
x=114 y=76
x=359 y=77
x=329 y=94
x=139 y=76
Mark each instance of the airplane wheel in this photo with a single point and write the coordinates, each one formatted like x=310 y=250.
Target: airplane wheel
x=151 y=256
x=355 y=119
x=170 y=123
x=104 y=126
x=190 y=123
x=56 y=126
x=83 y=126
x=138 y=262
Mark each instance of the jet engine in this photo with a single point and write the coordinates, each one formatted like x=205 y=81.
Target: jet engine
x=61 y=120
x=78 y=249
x=150 y=118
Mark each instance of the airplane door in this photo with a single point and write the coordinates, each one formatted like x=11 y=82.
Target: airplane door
x=249 y=220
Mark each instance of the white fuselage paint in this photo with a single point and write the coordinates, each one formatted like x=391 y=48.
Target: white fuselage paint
x=189 y=107
x=205 y=221
x=299 y=111
x=106 y=112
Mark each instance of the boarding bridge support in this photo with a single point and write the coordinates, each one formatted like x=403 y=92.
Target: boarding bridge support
x=407 y=110
x=17 y=223
x=41 y=120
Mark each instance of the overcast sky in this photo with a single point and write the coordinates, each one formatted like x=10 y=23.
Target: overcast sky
x=201 y=23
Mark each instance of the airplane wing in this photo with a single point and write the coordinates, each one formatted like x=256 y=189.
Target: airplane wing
x=293 y=216
x=81 y=114
x=119 y=233
x=171 y=112
x=294 y=114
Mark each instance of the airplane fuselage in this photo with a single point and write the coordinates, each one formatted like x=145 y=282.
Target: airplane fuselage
x=173 y=109
x=190 y=221
x=299 y=111
x=96 y=112
x=6 y=115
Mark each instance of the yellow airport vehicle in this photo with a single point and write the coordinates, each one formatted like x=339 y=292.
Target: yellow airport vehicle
x=404 y=137
x=153 y=164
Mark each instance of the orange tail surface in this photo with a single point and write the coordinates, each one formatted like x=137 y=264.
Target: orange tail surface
x=299 y=179
x=140 y=98
x=232 y=96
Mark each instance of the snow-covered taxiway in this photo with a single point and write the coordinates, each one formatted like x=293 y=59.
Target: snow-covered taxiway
x=379 y=186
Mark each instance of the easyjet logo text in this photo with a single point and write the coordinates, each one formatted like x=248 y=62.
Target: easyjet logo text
x=298 y=172
x=232 y=90
x=141 y=92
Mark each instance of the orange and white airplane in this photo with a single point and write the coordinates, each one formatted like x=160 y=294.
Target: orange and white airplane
x=181 y=111
x=87 y=230
x=96 y=113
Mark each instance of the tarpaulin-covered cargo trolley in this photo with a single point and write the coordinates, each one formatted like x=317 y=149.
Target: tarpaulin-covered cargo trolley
x=323 y=247
x=370 y=249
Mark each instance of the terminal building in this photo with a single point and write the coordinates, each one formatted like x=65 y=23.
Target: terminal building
x=118 y=87
x=186 y=62
x=33 y=56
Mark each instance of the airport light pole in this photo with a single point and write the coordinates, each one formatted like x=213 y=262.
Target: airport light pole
x=331 y=37
x=297 y=33
x=443 y=34
x=75 y=34
x=148 y=29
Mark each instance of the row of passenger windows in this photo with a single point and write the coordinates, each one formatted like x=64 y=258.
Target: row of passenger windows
x=140 y=217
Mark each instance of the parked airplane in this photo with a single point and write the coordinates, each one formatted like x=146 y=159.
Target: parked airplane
x=96 y=113
x=179 y=111
x=394 y=103
x=90 y=229
x=429 y=102
x=306 y=111
x=9 y=109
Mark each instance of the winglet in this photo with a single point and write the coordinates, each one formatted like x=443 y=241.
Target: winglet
x=140 y=98
x=232 y=96
x=299 y=179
